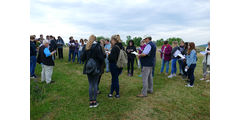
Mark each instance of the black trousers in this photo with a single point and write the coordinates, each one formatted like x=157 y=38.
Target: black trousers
x=60 y=53
x=130 y=65
x=183 y=68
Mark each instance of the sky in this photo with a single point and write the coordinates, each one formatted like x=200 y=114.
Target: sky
x=187 y=19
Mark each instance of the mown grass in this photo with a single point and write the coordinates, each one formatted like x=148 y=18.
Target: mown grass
x=67 y=98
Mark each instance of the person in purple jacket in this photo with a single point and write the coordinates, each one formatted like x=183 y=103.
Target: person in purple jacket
x=165 y=56
x=77 y=45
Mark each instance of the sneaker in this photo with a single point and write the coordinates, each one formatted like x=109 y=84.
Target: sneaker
x=188 y=85
x=95 y=104
x=202 y=79
x=170 y=76
x=141 y=95
x=91 y=105
x=110 y=95
x=174 y=75
x=117 y=96
x=33 y=77
x=150 y=92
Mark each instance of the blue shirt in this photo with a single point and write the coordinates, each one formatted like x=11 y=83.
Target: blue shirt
x=108 y=46
x=147 y=49
x=192 y=58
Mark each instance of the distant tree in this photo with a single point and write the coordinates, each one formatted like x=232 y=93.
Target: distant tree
x=100 y=37
x=137 y=41
x=128 y=39
x=170 y=40
x=159 y=42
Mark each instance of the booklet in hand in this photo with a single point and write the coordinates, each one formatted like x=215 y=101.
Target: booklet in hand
x=134 y=52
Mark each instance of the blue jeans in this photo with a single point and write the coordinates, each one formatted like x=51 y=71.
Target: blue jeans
x=163 y=64
x=93 y=85
x=115 y=72
x=191 y=73
x=174 y=66
x=180 y=62
x=70 y=55
x=107 y=65
x=79 y=60
x=74 y=55
x=33 y=61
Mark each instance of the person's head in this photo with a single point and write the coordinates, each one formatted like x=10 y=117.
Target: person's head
x=81 y=41
x=182 y=43
x=41 y=36
x=114 y=40
x=130 y=43
x=32 y=38
x=191 y=46
x=51 y=37
x=186 y=45
x=148 y=39
x=174 y=43
x=165 y=42
x=118 y=38
x=71 y=38
x=59 y=37
x=102 y=42
x=47 y=37
x=76 y=41
x=45 y=43
x=107 y=41
x=209 y=44
x=85 y=40
x=142 y=42
x=92 y=38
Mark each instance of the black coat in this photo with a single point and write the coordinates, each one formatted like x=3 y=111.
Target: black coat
x=113 y=56
x=129 y=51
x=96 y=53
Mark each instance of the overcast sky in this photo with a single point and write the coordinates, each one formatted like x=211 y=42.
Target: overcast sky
x=187 y=19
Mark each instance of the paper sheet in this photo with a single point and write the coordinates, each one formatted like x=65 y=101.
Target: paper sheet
x=176 y=53
x=134 y=52
x=203 y=52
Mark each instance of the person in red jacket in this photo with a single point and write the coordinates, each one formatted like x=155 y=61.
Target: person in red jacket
x=165 y=56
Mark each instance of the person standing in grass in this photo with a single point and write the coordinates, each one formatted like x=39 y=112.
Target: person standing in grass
x=130 y=65
x=140 y=50
x=45 y=59
x=107 y=48
x=71 y=45
x=115 y=71
x=102 y=43
x=174 y=60
x=76 y=50
x=33 y=59
x=165 y=56
x=60 y=44
x=94 y=57
x=180 y=60
x=191 y=63
x=206 y=63
x=184 y=60
x=147 y=61
x=81 y=44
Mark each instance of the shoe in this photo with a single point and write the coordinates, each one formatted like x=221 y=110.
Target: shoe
x=129 y=74
x=95 y=104
x=202 y=79
x=188 y=85
x=174 y=75
x=141 y=95
x=207 y=80
x=117 y=96
x=110 y=95
x=33 y=77
x=98 y=92
x=51 y=82
x=150 y=92
x=180 y=74
x=170 y=76
x=91 y=105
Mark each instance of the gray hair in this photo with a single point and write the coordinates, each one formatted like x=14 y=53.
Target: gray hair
x=45 y=42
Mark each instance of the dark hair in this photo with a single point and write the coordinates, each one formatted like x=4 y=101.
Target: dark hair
x=107 y=40
x=192 y=47
x=131 y=42
x=81 y=41
x=165 y=42
x=186 y=45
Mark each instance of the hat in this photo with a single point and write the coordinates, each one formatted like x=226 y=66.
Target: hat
x=147 y=36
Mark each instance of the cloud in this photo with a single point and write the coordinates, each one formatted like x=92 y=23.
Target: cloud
x=188 y=19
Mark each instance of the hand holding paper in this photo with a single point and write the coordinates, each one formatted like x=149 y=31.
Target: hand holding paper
x=135 y=53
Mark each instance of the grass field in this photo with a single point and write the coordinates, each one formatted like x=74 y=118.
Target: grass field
x=67 y=98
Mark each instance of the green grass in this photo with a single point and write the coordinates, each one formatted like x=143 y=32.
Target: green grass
x=67 y=98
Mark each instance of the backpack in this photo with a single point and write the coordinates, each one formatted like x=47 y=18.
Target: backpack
x=91 y=66
x=122 y=58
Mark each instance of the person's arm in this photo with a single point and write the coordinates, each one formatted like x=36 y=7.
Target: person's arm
x=48 y=53
x=146 y=51
x=83 y=55
x=113 y=55
x=191 y=58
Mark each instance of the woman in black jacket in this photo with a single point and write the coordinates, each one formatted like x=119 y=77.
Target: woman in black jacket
x=130 y=48
x=94 y=52
x=115 y=71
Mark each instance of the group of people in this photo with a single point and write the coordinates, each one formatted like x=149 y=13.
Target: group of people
x=98 y=55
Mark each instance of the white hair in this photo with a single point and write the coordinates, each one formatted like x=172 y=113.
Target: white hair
x=45 y=42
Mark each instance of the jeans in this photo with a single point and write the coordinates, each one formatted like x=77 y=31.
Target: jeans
x=174 y=66
x=147 y=79
x=99 y=78
x=163 y=64
x=70 y=55
x=130 y=65
x=93 y=83
x=205 y=68
x=180 y=62
x=74 y=55
x=60 y=53
x=115 y=72
x=183 y=69
x=33 y=61
x=107 y=65
x=79 y=59
x=191 y=73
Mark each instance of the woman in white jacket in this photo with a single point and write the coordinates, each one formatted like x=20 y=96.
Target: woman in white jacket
x=206 y=63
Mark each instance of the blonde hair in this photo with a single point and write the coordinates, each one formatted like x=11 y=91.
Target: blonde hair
x=118 y=38
x=92 y=38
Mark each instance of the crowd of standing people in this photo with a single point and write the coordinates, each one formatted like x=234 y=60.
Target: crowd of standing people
x=113 y=56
